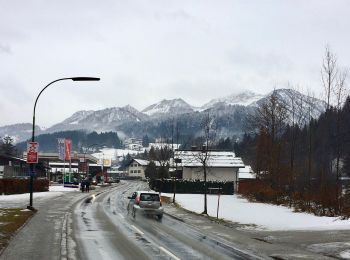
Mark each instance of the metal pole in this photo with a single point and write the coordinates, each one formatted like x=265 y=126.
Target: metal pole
x=31 y=166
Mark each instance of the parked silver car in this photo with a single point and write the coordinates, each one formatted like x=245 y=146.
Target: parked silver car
x=145 y=202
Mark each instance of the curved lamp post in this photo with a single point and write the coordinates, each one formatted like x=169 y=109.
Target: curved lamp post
x=31 y=166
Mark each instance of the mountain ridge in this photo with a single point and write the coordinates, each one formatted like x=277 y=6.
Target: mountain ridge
x=125 y=120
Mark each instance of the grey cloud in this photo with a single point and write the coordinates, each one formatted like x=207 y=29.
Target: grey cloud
x=174 y=15
x=262 y=63
x=5 y=48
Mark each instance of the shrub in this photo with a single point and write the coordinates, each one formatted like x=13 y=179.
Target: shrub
x=18 y=186
x=191 y=186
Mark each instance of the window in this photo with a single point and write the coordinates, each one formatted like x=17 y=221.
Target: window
x=149 y=197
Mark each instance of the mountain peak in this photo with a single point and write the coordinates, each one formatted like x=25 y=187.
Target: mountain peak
x=243 y=98
x=172 y=106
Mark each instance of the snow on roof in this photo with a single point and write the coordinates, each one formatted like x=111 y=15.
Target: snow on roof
x=215 y=159
x=142 y=162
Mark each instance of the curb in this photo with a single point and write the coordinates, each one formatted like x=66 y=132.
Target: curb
x=16 y=232
x=174 y=217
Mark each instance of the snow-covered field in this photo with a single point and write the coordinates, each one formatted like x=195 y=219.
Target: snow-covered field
x=259 y=215
x=111 y=153
x=54 y=191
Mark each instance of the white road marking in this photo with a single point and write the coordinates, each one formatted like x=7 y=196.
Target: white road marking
x=169 y=253
x=138 y=230
x=120 y=215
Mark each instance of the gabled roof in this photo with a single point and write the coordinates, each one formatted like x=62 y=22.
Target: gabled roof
x=141 y=162
x=222 y=159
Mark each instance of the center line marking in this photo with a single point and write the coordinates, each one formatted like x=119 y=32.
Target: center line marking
x=138 y=230
x=120 y=215
x=169 y=253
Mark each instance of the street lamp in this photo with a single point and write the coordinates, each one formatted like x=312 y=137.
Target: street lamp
x=31 y=166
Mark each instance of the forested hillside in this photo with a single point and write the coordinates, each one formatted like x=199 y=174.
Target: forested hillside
x=80 y=140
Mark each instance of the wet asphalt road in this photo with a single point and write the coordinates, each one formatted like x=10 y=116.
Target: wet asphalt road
x=104 y=230
x=77 y=225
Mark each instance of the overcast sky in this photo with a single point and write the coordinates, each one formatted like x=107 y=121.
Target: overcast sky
x=145 y=51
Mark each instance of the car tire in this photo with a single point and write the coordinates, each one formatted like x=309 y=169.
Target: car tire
x=160 y=217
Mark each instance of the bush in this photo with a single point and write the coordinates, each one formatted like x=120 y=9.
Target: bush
x=193 y=187
x=19 y=186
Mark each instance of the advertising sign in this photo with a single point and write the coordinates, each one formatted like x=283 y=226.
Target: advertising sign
x=61 y=148
x=107 y=162
x=68 y=144
x=32 y=152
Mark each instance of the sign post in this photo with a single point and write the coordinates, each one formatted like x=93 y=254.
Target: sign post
x=32 y=153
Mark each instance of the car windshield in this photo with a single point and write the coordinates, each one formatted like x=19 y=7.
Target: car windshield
x=149 y=197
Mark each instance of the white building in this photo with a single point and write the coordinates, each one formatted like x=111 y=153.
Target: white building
x=246 y=173
x=133 y=144
x=137 y=168
x=220 y=165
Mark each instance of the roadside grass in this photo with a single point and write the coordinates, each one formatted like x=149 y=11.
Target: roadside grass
x=10 y=221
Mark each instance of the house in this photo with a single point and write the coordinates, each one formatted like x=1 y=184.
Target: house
x=11 y=166
x=246 y=173
x=133 y=144
x=136 y=168
x=55 y=168
x=220 y=165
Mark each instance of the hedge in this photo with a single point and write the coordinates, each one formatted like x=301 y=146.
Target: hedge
x=193 y=187
x=18 y=186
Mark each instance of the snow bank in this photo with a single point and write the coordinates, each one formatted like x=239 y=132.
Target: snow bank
x=54 y=191
x=264 y=216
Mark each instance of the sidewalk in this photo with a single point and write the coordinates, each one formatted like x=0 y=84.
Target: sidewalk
x=41 y=237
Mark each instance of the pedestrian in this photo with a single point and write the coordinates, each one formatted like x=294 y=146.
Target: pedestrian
x=82 y=185
x=87 y=183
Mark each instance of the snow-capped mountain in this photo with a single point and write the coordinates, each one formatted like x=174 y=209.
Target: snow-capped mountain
x=294 y=100
x=231 y=111
x=102 y=120
x=244 y=99
x=168 y=107
x=19 y=132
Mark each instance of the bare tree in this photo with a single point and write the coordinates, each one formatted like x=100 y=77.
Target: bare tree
x=270 y=120
x=329 y=73
x=202 y=157
x=340 y=95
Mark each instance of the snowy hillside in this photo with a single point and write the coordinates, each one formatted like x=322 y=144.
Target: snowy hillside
x=301 y=102
x=164 y=107
x=231 y=112
x=244 y=99
x=100 y=121
x=19 y=132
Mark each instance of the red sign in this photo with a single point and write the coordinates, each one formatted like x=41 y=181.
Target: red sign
x=67 y=144
x=32 y=152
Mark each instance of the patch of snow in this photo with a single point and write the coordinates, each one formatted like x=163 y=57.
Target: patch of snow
x=264 y=216
x=112 y=153
x=341 y=249
x=54 y=192
x=345 y=254
x=61 y=188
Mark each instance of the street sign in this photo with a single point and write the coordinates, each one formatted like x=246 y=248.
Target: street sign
x=32 y=152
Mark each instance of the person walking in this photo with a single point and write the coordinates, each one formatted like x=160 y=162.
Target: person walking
x=87 y=184
x=82 y=185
